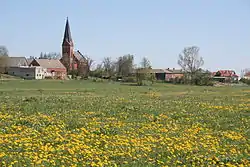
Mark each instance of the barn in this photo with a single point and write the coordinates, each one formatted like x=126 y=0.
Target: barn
x=54 y=68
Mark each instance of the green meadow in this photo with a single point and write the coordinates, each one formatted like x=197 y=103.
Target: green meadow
x=85 y=123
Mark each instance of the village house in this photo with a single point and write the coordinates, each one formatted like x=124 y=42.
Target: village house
x=10 y=62
x=18 y=66
x=172 y=74
x=225 y=76
x=167 y=74
x=27 y=72
x=52 y=68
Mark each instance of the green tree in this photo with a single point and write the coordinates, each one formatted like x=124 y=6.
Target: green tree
x=3 y=58
x=144 y=72
x=125 y=65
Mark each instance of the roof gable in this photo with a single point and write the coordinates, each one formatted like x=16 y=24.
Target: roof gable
x=79 y=56
x=225 y=73
x=16 y=62
x=48 y=63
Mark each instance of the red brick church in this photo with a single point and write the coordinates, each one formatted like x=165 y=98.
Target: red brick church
x=72 y=60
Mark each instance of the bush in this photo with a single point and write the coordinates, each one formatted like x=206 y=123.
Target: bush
x=129 y=79
x=246 y=81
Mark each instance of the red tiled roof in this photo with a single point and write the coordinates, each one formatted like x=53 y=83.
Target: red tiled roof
x=226 y=73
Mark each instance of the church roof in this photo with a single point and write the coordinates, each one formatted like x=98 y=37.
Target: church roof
x=79 y=56
x=67 y=39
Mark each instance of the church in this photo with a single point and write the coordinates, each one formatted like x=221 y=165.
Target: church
x=74 y=61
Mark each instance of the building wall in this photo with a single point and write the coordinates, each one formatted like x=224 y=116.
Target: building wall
x=56 y=73
x=27 y=72
x=40 y=72
x=67 y=56
x=173 y=76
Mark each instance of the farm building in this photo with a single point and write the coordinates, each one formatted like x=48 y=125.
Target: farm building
x=225 y=76
x=10 y=62
x=172 y=74
x=166 y=74
x=54 y=68
x=27 y=72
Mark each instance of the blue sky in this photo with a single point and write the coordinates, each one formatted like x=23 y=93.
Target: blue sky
x=157 y=29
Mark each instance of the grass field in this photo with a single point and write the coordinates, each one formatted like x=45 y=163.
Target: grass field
x=83 y=123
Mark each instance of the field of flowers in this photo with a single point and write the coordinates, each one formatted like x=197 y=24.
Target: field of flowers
x=81 y=123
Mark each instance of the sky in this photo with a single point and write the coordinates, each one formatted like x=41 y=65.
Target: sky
x=156 y=29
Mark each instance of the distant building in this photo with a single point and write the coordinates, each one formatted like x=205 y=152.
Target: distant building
x=54 y=68
x=72 y=60
x=12 y=62
x=173 y=73
x=247 y=75
x=225 y=76
x=27 y=72
x=165 y=74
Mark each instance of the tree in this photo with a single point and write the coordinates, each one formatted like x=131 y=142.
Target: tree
x=3 y=58
x=190 y=62
x=4 y=51
x=125 y=65
x=50 y=55
x=108 y=66
x=145 y=63
x=144 y=72
x=89 y=64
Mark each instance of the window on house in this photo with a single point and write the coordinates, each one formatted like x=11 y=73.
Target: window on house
x=27 y=75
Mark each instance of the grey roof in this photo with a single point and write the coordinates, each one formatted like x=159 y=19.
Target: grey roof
x=79 y=56
x=29 y=61
x=174 y=71
x=67 y=39
x=16 y=62
x=157 y=71
x=49 y=63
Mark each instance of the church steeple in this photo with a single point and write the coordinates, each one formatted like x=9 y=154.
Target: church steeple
x=67 y=39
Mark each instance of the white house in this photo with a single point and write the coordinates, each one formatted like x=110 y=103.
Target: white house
x=28 y=72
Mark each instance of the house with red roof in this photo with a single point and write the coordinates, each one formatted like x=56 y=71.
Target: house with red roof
x=54 y=68
x=225 y=76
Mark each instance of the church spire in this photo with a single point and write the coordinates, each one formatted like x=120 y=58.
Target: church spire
x=67 y=39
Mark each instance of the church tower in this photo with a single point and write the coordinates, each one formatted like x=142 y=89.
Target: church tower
x=67 y=48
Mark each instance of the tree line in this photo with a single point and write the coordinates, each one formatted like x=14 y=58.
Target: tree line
x=124 y=68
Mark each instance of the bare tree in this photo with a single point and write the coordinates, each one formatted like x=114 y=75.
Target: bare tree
x=190 y=61
x=4 y=51
x=145 y=63
x=108 y=66
x=245 y=73
x=50 y=55
x=89 y=63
